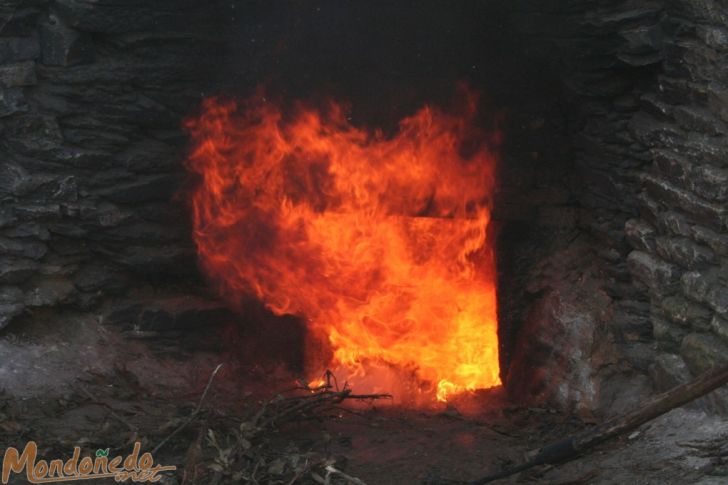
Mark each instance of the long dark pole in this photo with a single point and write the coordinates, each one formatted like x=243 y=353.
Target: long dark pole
x=653 y=408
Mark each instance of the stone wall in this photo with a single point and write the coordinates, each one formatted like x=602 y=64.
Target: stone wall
x=92 y=94
x=680 y=237
x=646 y=85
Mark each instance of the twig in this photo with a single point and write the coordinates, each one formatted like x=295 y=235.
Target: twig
x=194 y=413
x=305 y=470
x=333 y=471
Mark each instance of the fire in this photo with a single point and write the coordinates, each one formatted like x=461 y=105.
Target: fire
x=379 y=242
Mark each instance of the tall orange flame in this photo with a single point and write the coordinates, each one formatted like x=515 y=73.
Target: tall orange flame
x=379 y=242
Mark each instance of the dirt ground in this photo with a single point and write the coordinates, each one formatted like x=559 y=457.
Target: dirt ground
x=86 y=388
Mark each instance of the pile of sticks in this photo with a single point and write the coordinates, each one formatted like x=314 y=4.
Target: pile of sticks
x=303 y=401
x=249 y=452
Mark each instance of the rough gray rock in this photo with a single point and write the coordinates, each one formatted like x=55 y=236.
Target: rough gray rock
x=719 y=326
x=707 y=288
x=703 y=351
x=717 y=242
x=673 y=223
x=640 y=235
x=656 y=274
x=667 y=334
x=669 y=370
x=684 y=252
x=684 y=312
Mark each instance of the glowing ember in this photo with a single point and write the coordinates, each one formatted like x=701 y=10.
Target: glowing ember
x=380 y=243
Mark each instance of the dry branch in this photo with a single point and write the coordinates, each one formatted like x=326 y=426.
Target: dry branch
x=194 y=413
x=239 y=457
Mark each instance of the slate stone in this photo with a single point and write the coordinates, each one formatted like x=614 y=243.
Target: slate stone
x=13 y=49
x=67 y=229
x=717 y=95
x=10 y=294
x=147 y=156
x=187 y=312
x=709 y=182
x=28 y=229
x=7 y=217
x=167 y=260
x=8 y=312
x=26 y=248
x=696 y=118
x=715 y=215
x=684 y=252
x=20 y=19
x=34 y=135
x=143 y=232
x=29 y=212
x=667 y=334
x=669 y=370
x=684 y=312
x=113 y=17
x=144 y=189
x=18 y=74
x=713 y=35
x=13 y=177
x=100 y=277
x=659 y=276
x=707 y=288
x=12 y=101
x=14 y=271
x=182 y=313
x=106 y=214
x=719 y=326
x=640 y=60
x=640 y=235
x=703 y=351
x=49 y=293
x=674 y=223
x=64 y=46
x=717 y=242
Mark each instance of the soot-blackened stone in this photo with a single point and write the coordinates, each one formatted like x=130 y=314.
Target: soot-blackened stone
x=100 y=277
x=14 y=271
x=15 y=49
x=18 y=74
x=144 y=189
x=12 y=100
x=168 y=314
x=63 y=46
x=49 y=293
